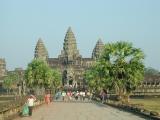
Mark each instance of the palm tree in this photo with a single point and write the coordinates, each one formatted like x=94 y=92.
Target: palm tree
x=124 y=63
x=91 y=79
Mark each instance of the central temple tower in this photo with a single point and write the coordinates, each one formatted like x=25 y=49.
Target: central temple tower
x=70 y=59
x=70 y=53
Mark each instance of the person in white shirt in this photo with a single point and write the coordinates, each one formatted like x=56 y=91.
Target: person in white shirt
x=83 y=95
x=30 y=102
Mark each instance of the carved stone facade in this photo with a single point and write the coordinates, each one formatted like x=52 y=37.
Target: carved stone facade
x=71 y=64
x=150 y=86
x=3 y=70
x=2 y=67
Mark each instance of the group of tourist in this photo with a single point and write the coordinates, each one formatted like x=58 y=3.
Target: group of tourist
x=66 y=96
x=73 y=95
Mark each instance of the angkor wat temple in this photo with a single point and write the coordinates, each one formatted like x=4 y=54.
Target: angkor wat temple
x=70 y=62
x=72 y=65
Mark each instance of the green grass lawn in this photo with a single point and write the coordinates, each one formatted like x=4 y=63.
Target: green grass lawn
x=152 y=104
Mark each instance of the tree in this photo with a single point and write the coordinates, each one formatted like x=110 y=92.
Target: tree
x=57 y=82
x=10 y=81
x=91 y=79
x=39 y=74
x=151 y=71
x=123 y=66
x=96 y=77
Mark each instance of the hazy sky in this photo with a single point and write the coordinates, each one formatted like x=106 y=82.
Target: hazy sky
x=22 y=22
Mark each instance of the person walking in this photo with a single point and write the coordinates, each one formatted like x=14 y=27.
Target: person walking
x=69 y=94
x=47 y=98
x=76 y=95
x=63 y=95
x=104 y=96
x=30 y=101
x=88 y=95
x=83 y=95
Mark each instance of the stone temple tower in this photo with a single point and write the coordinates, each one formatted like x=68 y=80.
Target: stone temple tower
x=69 y=58
x=3 y=71
x=2 y=67
x=97 y=49
x=40 y=51
x=70 y=52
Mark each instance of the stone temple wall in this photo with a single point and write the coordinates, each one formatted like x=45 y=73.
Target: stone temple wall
x=2 y=67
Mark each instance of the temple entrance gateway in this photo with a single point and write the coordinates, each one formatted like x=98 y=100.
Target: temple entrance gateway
x=71 y=82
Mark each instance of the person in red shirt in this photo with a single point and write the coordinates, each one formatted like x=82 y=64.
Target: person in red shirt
x=47 y=98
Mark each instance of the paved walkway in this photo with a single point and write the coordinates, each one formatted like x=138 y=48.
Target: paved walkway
x=79 y=111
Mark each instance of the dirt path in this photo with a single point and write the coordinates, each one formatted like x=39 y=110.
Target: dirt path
x=79 y=111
